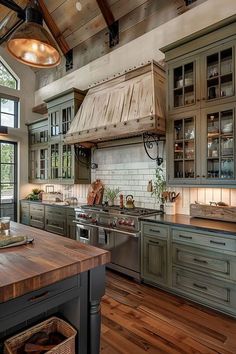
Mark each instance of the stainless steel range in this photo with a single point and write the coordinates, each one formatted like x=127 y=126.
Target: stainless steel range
x=117 y=230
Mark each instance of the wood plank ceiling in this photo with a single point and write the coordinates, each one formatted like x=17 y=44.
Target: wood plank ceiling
x=75 y=26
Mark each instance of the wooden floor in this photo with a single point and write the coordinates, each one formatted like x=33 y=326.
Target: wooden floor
x=140 y=319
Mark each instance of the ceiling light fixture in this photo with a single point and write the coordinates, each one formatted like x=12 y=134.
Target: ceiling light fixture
x=78 y=6
x=31 y=44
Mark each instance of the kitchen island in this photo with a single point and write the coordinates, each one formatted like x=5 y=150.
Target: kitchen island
x=52 y=276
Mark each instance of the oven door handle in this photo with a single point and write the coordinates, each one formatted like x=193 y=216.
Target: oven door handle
x=124 y=232
x=131 y=234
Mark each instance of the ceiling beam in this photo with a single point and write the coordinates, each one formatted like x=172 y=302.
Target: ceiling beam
x=13 y=6
x=56 y=33
x=106 y=12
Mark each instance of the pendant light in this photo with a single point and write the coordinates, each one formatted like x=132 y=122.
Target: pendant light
x=31 y=44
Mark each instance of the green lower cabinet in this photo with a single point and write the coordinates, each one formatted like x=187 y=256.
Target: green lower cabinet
x=213 y=292
x=154 y=260
x=207 y=261
x=25 y=213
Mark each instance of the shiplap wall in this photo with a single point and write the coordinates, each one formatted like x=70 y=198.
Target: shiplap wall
x=130 y=169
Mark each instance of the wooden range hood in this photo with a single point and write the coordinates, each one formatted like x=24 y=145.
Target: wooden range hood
x=128 y=105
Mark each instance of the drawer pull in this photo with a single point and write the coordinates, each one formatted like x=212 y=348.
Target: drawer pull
x=39 y=297
x=152 y=230
x=186 y=237
x=217 y=243
x=200 y=261
x=154 y=242
x=202 y=287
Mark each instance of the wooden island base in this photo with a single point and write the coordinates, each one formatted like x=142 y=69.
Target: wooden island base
x=53 y=276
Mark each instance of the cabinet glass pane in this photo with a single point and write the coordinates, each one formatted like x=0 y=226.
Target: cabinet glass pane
x=184 y=148
x=54 y=161
x=43 y=164
x=220 y=145
x=184 y=85
x=66 y=161
x=66 y=119
x=54 y=122
x=220 y=74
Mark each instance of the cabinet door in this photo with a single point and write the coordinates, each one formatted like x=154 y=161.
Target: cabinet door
x=154 y=262
x=218 y=72
x=67 y=114
x=43 y=164
x=54 y=162
x=34 y=175
x=218 y=142
x=55 y=123
x=67 y=162
x=183 y=149
x=24 y=213
x=184 y=85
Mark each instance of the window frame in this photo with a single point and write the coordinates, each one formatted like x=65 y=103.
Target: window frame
x=12 y=73
x=16 y=110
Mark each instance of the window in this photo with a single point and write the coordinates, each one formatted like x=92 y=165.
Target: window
x=6 y=78
x=9 y=112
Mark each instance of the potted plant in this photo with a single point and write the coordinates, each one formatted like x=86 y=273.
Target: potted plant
x=159 y=185
x=111 y=194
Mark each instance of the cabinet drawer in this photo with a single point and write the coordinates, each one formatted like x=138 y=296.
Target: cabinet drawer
x=155 y=230
x=209 y=262
x=55 y=211
x=39 y=299
x=36 y=208
x=213 y=241
x=56 y=226
x=71 y=213
x=215 y=291
x=39 y=224
x=25 y=207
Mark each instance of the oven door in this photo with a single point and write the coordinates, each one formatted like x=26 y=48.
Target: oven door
x=87 y=234
x=126 y=253
x=105 y=239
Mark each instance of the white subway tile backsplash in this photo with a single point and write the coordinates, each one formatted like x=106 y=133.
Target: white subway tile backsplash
x=130 y=169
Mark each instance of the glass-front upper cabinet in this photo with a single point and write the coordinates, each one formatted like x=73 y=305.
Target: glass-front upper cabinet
x=54 y=162
x=184 y=88
x=54 y=124
x=38 y=132
x=220 y=74
x=66 y=161
x=66 y=118
x=43 y=164
x=183 y=150
x=220 y=145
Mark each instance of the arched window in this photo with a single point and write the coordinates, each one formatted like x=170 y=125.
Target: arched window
x=6 y=77
x=8 y=103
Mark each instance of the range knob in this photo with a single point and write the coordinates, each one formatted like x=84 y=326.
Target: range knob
x=121 y=221
x=94 y=220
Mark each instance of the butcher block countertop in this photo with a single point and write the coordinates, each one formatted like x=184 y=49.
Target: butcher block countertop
x=188 y=221
x=49 y=259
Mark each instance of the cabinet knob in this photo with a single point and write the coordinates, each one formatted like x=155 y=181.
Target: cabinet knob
x=203 y=176
x=198 y=100
x=203 y=98
x=198 y=176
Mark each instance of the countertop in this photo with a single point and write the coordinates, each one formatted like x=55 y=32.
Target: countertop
x=55 y=204
x=188 y=221
x=49 y=259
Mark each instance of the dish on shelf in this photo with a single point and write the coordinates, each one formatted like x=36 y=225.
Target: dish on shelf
x=227 y=128
x=188 y=81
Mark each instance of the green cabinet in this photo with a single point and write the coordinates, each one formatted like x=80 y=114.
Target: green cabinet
x=55 y=220
x=201 y=109
x=24 y=213
x=58 y=220
x=36 y=215
x=38 y=151
x=50 y=160
x=191 y=262
x=154 y=243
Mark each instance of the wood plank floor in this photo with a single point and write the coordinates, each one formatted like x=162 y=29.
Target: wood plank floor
x=138 y=319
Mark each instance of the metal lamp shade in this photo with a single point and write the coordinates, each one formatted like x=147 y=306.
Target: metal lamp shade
x=32 y=45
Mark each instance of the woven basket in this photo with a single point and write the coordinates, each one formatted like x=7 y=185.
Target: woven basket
x=53 y=324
